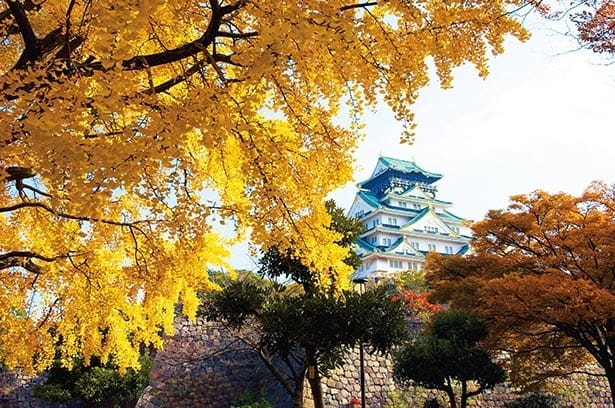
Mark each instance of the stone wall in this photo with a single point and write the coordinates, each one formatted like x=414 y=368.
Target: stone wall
x=344 y=383
x=16 y=391
x=205 y=366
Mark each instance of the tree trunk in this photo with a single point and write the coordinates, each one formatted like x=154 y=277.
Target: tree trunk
x=464 y=394
x=610 y=376
x=298 y=394
x=313 y=377
x=451 y=396
x=316 y=390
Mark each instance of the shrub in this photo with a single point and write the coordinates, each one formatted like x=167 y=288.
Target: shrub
x=416 y=397
x=52 y=392
x=248 y=400
x=94 y=384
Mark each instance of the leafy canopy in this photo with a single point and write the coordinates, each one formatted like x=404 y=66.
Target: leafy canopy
x=446 y=356
x=130 y=130
x=543 y=277
x=304 y=324
x=311 y=333
x=94 y=384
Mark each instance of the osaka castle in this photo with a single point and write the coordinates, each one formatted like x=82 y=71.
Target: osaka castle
x=404 y=220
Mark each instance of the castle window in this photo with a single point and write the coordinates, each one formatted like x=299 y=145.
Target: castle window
x=395 y=264
x=431 y=247
x=413 y=266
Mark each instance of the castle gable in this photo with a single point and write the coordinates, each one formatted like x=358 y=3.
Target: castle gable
x=403 y=247
x=428 y=221
x=362 y=205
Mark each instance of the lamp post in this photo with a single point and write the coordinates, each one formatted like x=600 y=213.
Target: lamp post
x=361 y=282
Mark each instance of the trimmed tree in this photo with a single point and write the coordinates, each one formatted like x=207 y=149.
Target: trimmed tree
x=309 y=324
x=309 y=335
x=447 y=356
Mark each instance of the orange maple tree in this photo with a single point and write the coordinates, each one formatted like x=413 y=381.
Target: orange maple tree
x=543 y=276
x=597 y=26
x=594 y=21
x=418 y=304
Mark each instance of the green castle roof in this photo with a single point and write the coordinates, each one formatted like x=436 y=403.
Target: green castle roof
x=406 y=166
x=391 y=172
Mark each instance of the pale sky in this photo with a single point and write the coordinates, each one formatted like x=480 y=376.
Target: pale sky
x=542 y=119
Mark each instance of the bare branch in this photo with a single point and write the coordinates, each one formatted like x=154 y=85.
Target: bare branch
x=237 y=35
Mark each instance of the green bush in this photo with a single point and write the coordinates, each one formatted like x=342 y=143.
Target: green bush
x=398 y=400
x=94 y=384
x=534 y=401
x=52 y=392
x=248 y=400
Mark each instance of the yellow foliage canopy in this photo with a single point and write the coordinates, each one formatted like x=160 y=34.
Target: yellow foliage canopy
x=130 y=129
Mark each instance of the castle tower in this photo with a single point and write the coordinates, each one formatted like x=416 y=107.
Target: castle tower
x=403 y=220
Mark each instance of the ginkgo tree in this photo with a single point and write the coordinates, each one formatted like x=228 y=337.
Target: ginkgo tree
x=130 y=130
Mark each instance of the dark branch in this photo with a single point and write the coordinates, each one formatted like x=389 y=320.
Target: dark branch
x=31 y=44
x=23 y=259
x=29 y=254
x=28 y=5
x=359 y=5
x=165 y=86
x=50 y=210
x=186 y=50
x=18 y=173
x=237 y=35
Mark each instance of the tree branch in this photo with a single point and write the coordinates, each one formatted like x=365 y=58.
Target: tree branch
x=31 y=44
x=189 y=49
x=23 y=259
x=358 y=5
x=50 y=210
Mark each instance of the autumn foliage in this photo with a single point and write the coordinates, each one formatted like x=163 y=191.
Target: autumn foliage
x=543 y=276
x=418 y=304
x=130 y=130
x=594 y=21
x=597 y=26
